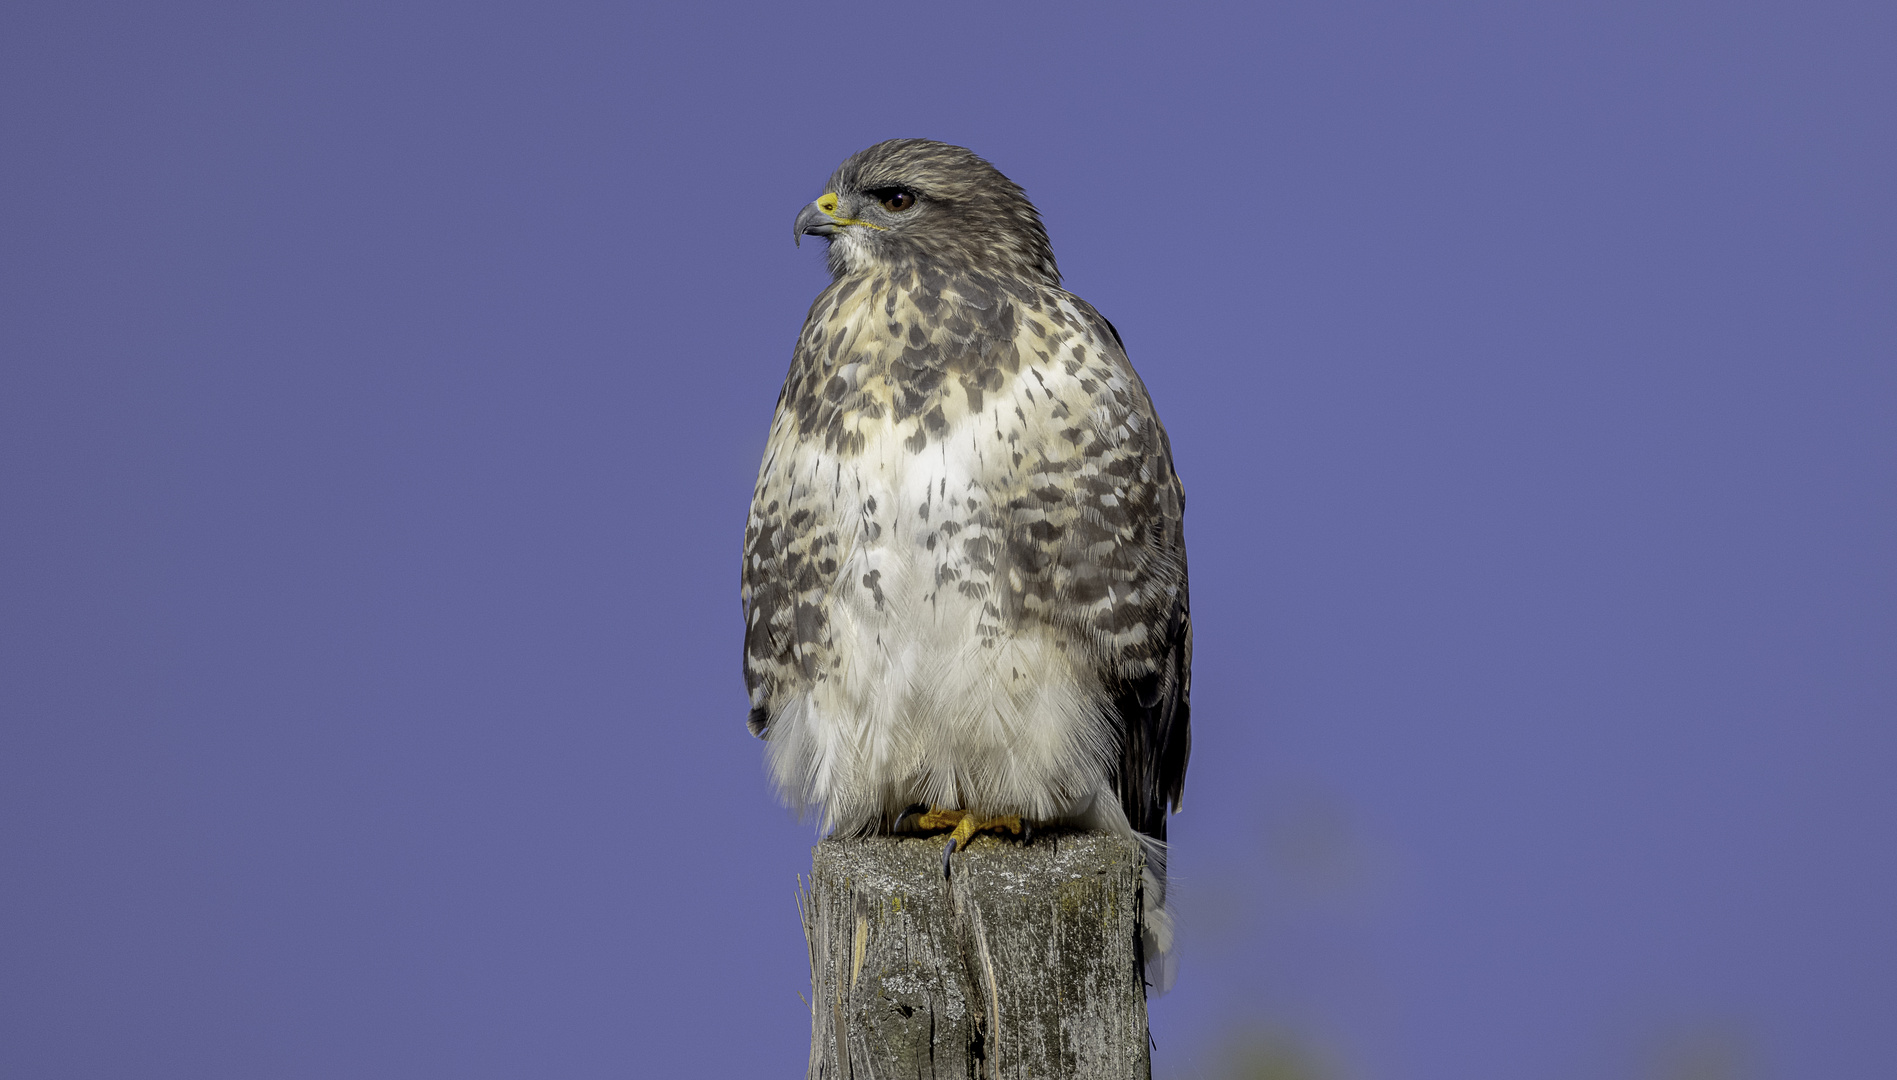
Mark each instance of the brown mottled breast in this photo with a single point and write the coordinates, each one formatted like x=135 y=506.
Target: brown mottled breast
x=1075 y=523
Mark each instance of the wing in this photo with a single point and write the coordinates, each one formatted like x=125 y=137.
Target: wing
x=790 y=560
x=1155 y=712
x=775 y=555
x=1152 y=688
x=791 y=538
x=1116 y=565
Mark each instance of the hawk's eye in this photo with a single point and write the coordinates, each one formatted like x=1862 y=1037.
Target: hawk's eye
x=898 y=200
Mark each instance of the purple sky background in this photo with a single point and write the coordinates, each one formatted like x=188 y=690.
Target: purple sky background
x=382 y=387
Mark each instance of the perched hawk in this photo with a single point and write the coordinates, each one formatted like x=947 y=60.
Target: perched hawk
x=964 y=569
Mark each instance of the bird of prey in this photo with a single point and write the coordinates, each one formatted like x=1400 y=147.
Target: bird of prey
x=964 y=569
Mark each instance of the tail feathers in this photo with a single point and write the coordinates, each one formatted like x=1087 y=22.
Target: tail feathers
x=1156 y=926
x=1106 y=814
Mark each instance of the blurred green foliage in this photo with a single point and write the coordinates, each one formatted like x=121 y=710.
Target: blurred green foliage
x=1276 y=1055
x=1706 y=1052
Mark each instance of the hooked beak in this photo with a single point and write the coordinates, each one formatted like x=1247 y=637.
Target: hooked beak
x=812 y=220
x=820 y=219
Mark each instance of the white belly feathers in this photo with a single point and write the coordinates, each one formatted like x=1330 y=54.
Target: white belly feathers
x=941 y=696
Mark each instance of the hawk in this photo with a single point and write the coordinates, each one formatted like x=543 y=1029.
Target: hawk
x=965 y=568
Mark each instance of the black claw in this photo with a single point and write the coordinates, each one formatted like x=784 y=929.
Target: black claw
x=946 y=852
x=908 y=820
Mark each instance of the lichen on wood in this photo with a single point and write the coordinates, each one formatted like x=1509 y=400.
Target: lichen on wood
x=1023 y=964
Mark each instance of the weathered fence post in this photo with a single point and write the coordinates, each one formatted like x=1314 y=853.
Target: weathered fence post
x=1022 y=965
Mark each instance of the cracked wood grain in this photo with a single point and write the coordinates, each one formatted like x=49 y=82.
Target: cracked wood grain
x=1023 y=965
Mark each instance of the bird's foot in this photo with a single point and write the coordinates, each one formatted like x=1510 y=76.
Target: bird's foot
x=966 y=828
x=923 y=818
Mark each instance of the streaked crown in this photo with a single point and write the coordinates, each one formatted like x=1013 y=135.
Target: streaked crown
x=908 y=201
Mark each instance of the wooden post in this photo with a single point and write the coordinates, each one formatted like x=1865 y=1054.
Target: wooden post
x=1022 y=965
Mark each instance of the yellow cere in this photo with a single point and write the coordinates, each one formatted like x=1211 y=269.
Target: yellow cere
x=828 y=204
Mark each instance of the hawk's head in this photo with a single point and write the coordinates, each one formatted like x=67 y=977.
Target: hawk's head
x=911 y=201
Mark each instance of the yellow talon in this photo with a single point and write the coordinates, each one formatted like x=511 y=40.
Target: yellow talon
x=965 y=824
x=966 y=830
x=959 y=838
x=970 y=825
x=938 y=818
